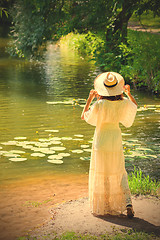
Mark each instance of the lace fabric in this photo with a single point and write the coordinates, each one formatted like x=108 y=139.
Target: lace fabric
x=108 y=187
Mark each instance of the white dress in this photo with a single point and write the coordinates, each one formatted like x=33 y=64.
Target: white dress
x=108 y=183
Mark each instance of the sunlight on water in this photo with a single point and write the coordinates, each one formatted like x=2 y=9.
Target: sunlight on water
x=41 y=128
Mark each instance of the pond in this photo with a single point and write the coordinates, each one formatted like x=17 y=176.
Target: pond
x=41 y=129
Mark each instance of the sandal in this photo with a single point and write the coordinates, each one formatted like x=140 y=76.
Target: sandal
x=130 y=212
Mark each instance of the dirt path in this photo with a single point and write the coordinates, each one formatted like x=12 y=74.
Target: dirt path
x=76 y=216
x=137 y=27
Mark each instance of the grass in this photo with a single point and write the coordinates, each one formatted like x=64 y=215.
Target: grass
x=36 y=203
x=146 y=19
x=124 y=235
x=141 y=184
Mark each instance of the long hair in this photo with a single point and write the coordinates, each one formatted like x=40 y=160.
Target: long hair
x=112 y=98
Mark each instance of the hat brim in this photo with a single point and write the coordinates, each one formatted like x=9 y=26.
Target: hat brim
x=109 y=91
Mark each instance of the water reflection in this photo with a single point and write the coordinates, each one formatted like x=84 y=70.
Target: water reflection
x=67 y=75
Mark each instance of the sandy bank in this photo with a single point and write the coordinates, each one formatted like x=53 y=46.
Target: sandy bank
x=76 y=216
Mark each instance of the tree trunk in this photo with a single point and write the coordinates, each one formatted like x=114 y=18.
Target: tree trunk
x=121 y=21
x=119 y=31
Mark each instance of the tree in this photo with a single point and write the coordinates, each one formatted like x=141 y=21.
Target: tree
x=36 y=21
x=34 y=24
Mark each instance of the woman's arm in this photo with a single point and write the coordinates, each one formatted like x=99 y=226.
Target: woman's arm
x=92 y=95
x=127 y=92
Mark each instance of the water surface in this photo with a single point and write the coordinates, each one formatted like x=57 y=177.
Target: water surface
x=42 y=101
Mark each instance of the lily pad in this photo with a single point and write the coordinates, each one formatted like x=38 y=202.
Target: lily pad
x=133 y=144
x=11 y=155
x=17 y=159
x=64 y=154
x=3 y=152
x=35 y=149
x=47 y=151
x=142 y=109
x=27 y=146
x=87 y=150
x=84 y=146
x=55 y=142
x=78 y=135
x=144 y=149
x=52 y=130
x=55 y=138
x=9 y=143
x=136 y=154
x=150 y=105
x=44 y=140
x=58 y=148
x=20 y=138
x=66 y=138
x=126 y=134
x=61 y=102
x=55 y=157
x=132 y=140
x=151 y=156
x=55 y=161
x=17 y=151
x=85 y=158
x=78 y=139
x=37 y=155
x=77 y=151
x=42 y=144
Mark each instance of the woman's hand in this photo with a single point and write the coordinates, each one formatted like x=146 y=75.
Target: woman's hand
x=93 y=93
x=127 y=89
x=128 y=93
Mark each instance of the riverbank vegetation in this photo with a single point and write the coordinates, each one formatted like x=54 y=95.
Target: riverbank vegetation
x=141 y=184
x=138 y=61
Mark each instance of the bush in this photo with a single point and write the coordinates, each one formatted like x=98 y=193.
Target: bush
x=144 y=65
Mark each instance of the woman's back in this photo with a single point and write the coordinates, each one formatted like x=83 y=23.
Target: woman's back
x=111 y=112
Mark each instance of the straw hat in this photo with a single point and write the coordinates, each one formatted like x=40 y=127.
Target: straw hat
x=109 y=84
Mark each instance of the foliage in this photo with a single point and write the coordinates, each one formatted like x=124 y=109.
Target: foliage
x=144 y=65
x=3 y=10
x=141 y=184
x=34 y=24
x=87 y=44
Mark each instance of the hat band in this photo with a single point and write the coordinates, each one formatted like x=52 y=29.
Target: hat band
x=111 y=85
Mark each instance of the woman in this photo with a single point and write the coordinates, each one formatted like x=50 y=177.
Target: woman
x=108 y=183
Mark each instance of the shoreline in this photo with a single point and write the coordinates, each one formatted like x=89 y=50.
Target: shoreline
x=26 y=204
